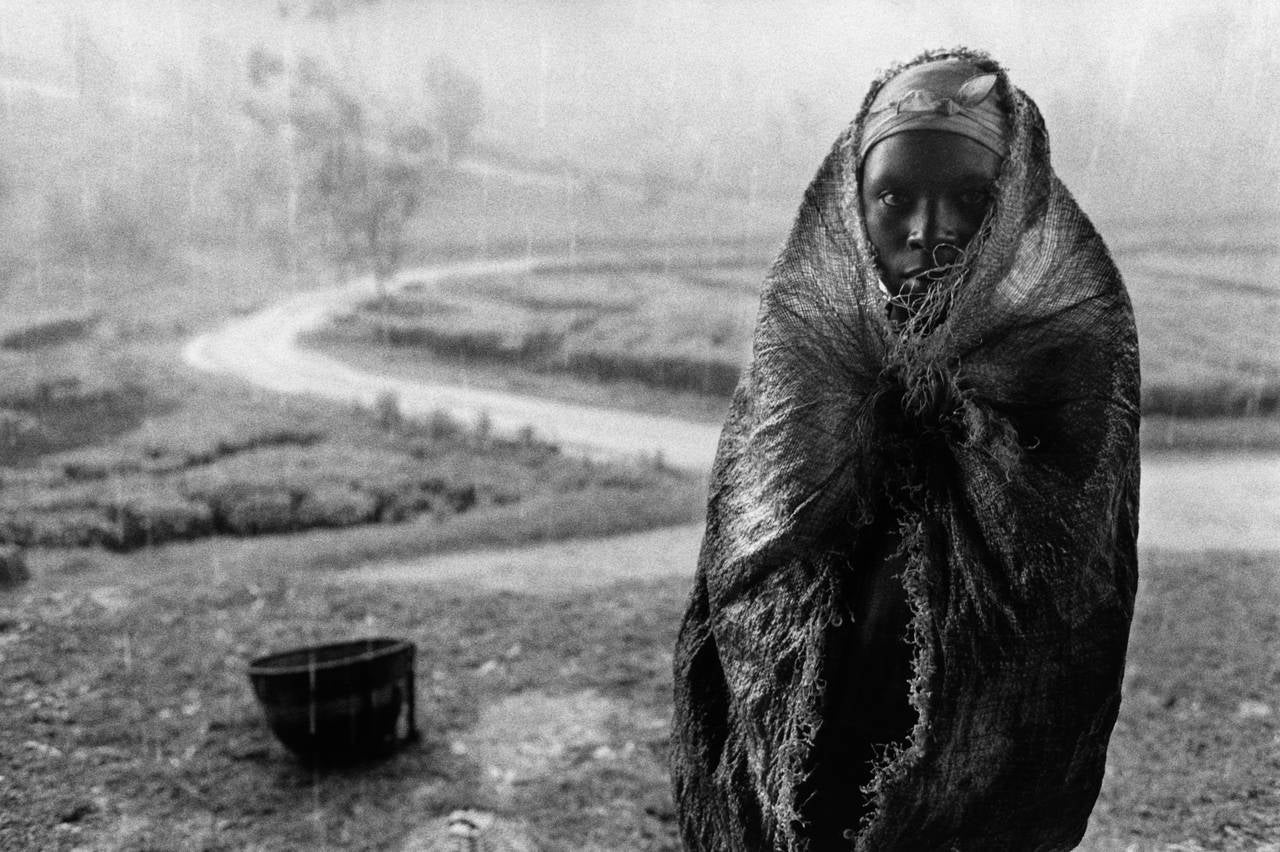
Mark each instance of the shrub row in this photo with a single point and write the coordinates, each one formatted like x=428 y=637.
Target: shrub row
x=1222 y=399
x=494 y=346
x=51 y=332
x=237 y=509
x=700 y=375
x=98 y=464
x=541 y=351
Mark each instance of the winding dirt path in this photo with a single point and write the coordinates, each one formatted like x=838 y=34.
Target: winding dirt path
x=262 y=348
x=1189 y=502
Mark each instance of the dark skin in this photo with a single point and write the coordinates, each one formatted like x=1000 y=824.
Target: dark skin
x=924 y=195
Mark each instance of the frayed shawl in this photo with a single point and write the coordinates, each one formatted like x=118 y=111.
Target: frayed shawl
x=1018 y=515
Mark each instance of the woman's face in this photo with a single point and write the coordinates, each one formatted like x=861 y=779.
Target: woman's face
x=924 y=195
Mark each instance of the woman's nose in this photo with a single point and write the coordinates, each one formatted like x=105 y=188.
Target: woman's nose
x=932 y=224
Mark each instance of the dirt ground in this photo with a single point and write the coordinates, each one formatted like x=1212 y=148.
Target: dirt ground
x=132 y=726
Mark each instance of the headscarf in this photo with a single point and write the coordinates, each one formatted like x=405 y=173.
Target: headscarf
x=1017 y=510
x=951 y=95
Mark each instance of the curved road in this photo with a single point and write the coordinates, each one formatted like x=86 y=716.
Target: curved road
x=262 y=348
x=1189 y=502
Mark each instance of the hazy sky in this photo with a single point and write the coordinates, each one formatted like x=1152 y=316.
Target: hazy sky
x=1150 y=105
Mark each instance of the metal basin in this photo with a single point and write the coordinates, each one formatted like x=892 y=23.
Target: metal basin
x=342 y=702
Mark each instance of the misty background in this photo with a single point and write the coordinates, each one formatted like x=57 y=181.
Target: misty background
x=1155 y=109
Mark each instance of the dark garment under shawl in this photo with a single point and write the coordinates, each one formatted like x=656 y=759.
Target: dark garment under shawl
x=1012 y=515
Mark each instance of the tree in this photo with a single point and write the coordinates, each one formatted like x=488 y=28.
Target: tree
x=459 y=105
x=359 y=171
x=368 y=195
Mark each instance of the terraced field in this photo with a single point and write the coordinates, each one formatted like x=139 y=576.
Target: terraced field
x=678 y=327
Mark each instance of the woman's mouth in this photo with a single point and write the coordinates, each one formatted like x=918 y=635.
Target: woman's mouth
x=915 y=292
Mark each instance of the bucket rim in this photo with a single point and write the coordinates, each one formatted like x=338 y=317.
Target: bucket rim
x=387 y=646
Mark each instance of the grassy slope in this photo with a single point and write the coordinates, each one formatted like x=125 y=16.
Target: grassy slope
x=208 y=444
x=129 y=707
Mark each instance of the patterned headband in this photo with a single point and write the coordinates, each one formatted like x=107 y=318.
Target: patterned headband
x=943 y=96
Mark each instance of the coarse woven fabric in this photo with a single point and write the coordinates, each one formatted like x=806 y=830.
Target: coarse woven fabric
x=1018 y=514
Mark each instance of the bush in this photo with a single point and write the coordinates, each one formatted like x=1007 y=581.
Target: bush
x=386 y=409
x=482 y=430
x=460 y=498
x=403 y=499
x=17 y=428
x=70 y=527
x=252 y=510
x=96 y=464
x=336 y=506
x=394 y=505
x=15 y=529
x=158 y=518
x=440 y=426
x=13 y=567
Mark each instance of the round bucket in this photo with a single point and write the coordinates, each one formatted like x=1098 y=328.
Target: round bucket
x=341 y=702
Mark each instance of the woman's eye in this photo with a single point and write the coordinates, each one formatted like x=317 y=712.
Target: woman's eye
x=891 y=199
x=976 y=197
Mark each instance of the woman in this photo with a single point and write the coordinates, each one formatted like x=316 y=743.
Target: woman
x=914 y=593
